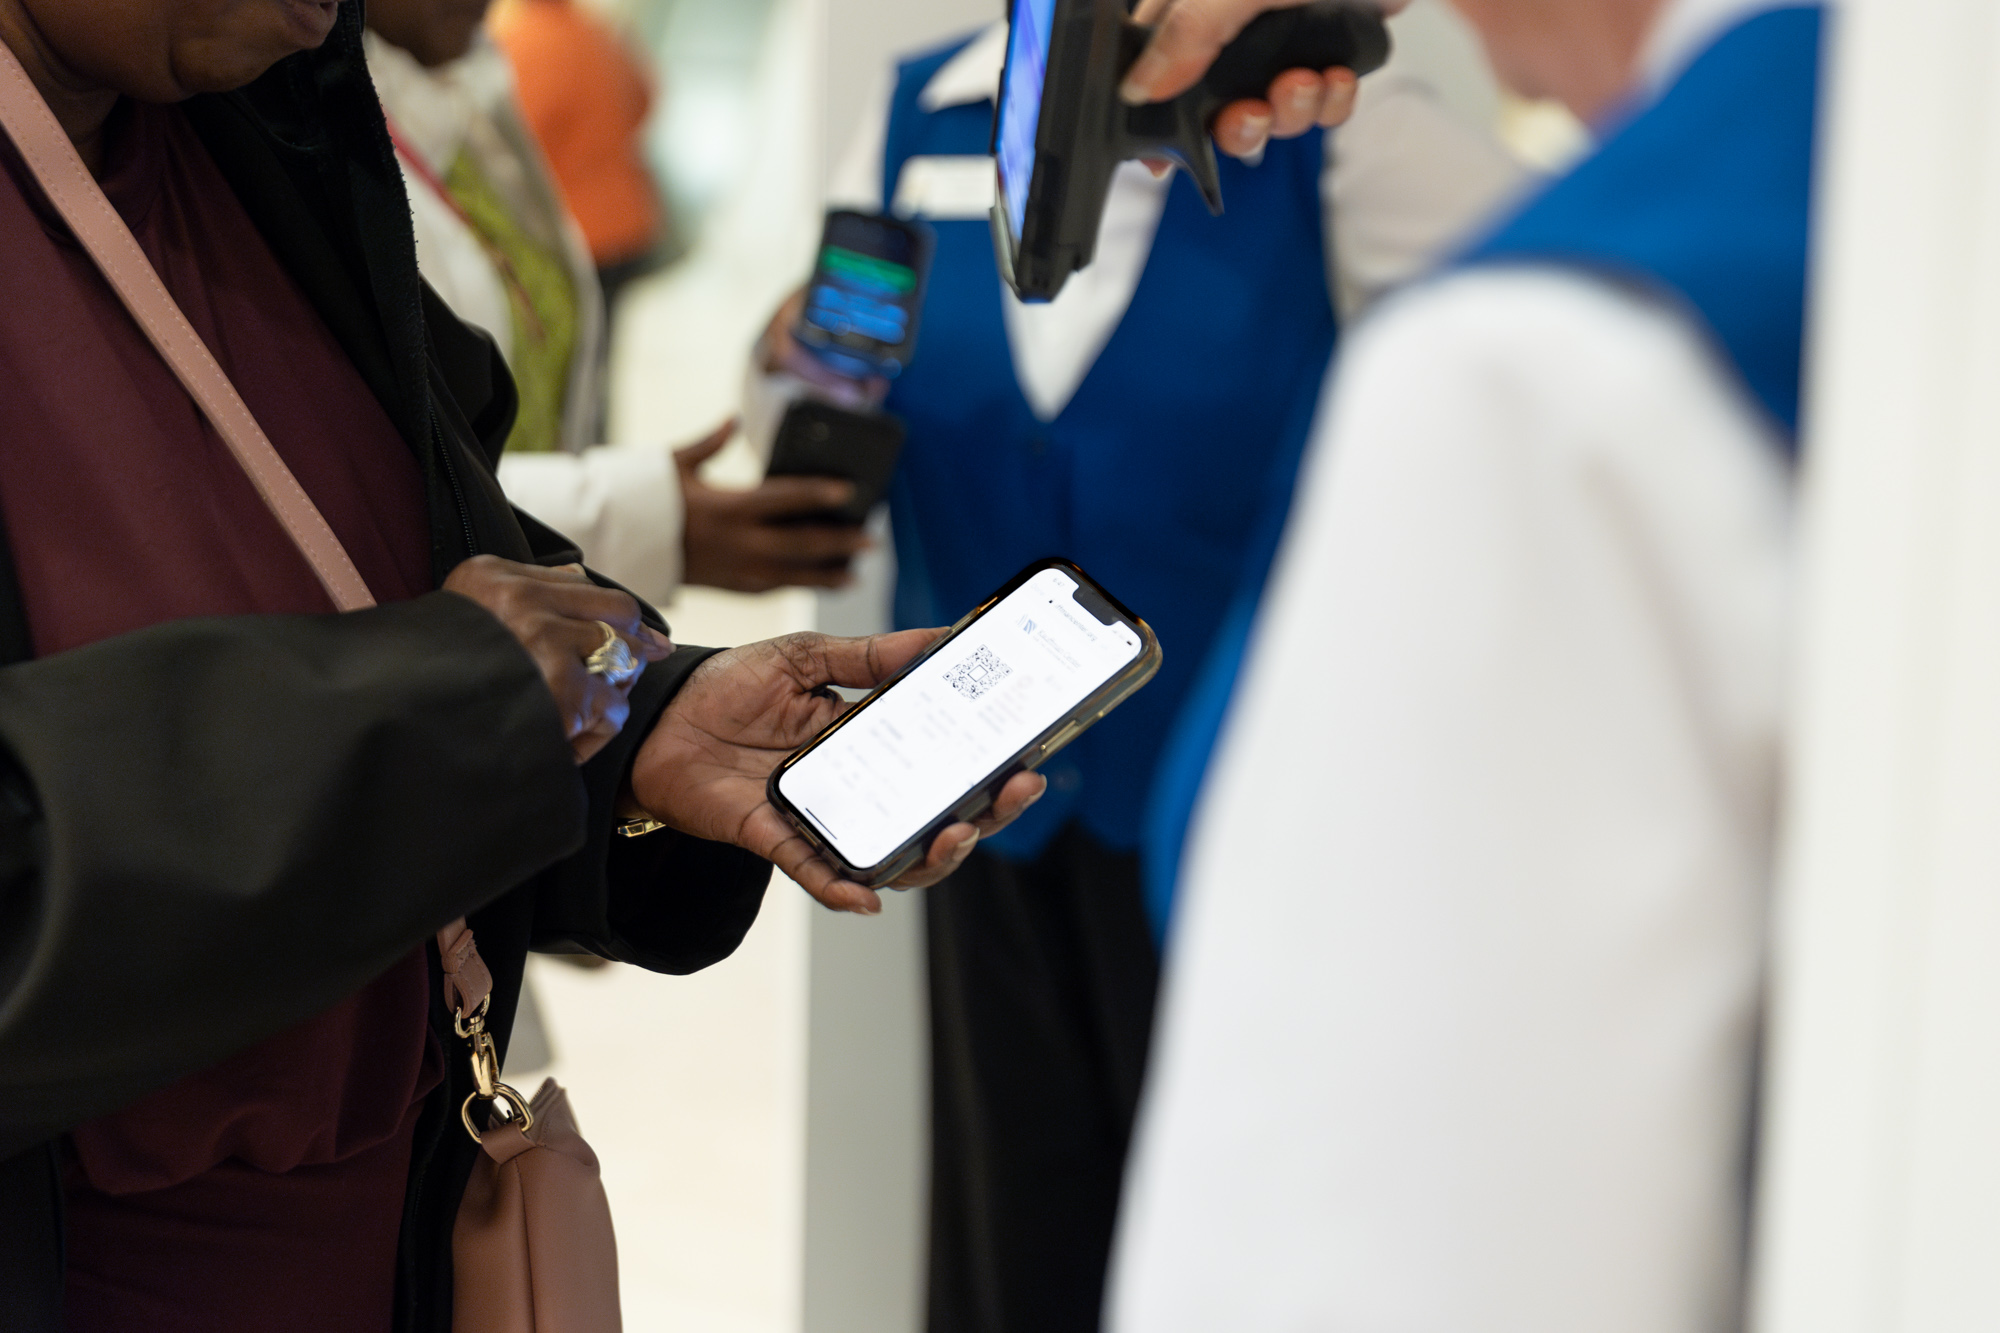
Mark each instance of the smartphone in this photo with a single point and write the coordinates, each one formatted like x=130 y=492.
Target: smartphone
x=1025 y=672
x=817 y=439
x=866 y=293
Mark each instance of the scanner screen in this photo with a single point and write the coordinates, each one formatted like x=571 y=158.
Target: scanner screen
x=1021 y=103
x=968 y=709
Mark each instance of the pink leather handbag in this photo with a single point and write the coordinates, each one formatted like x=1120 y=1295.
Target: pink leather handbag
x=533 y=1249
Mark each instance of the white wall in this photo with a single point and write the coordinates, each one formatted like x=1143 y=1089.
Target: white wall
x=1881 y=1203
x=867 y=1122
x=864 y=38
x=1436 y=45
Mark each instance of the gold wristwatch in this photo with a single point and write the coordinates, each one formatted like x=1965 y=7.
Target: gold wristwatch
x=638 y=826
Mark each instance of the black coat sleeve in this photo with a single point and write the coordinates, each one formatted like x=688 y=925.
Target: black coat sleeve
x=211 y=830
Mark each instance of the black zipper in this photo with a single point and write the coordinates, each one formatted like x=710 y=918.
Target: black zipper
x=451 y=480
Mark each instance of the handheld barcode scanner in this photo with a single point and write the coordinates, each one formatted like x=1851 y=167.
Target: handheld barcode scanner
x=1061 y=130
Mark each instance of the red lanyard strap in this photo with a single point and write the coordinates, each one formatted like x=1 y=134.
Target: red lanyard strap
x=501 y=263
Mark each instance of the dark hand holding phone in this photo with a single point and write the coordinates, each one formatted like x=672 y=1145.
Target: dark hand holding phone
x=817 y=439
x=1021 y=676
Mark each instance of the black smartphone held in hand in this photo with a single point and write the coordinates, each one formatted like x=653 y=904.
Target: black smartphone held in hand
x=818 y=439
x=1022 y=675
x=866 y=293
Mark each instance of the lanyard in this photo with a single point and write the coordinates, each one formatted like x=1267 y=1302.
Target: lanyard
x=516 y=289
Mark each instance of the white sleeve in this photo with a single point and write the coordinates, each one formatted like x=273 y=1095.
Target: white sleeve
x=1462 y=998
x=1406 y=180
x=620 y=504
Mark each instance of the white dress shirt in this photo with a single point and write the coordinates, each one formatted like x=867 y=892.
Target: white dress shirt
x=1462 y=1000
x=1404 y=178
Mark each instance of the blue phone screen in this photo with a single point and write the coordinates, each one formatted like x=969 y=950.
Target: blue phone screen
x=1021 y=103
x=856 y=293
x=861 y=306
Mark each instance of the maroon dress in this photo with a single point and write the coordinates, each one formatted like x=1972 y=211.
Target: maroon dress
x=265 y=1193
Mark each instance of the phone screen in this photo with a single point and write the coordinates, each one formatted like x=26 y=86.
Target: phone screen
x=916 y=749
x=1021 y=104
x=865 y=290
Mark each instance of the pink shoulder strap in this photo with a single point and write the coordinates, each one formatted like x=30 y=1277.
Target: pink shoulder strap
x=97 y=226
x=110 y=243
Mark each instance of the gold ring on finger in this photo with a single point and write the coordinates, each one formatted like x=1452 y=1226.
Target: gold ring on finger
x=613 y=659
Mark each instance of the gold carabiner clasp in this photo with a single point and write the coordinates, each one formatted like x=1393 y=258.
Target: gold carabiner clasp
x=464 y=1026
x=486 y=1074
x=519 y=1114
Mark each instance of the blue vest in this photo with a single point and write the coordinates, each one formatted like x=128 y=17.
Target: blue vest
x=1703 y=197
x=1161 y=470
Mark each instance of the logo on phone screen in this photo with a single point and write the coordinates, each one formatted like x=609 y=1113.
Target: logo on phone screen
x=978 y=673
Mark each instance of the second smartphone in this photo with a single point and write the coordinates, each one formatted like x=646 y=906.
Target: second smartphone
x=866 y=292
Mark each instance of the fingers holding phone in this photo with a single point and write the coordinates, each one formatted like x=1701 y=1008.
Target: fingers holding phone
x=867 y=663
x=951 y=847
x=834 y=886
x=780 y=353
x=781 y=533
x=853 y=326
x=705 y=767
x=896 y=790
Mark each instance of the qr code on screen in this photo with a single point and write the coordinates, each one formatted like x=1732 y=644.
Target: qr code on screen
x=978 y=673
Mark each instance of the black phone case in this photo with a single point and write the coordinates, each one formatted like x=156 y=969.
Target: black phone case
x=818 y=439
x=975 y=802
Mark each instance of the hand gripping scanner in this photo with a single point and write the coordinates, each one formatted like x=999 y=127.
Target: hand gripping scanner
x=1060 y=130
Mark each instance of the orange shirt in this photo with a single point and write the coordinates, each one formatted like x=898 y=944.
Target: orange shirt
x=585 y=96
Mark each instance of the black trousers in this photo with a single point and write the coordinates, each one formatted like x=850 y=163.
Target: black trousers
x=1042 y=980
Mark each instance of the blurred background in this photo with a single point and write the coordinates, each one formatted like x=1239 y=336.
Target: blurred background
x=763 y=1124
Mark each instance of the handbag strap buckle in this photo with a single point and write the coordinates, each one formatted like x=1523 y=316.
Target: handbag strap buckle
x=485 y=1056
x=486 y=1079
x=518 y=1114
